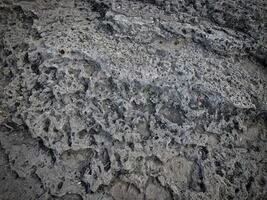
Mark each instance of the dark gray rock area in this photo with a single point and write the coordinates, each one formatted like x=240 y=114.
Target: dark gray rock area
x=133 y=100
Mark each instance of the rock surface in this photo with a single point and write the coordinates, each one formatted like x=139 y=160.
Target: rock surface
x=133 y=99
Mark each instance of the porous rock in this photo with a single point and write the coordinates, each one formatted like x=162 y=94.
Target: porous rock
x=131 y=99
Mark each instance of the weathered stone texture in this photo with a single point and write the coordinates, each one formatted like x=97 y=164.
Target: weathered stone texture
x=133 y=100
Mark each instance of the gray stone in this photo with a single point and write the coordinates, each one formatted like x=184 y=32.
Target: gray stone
x=132 y=99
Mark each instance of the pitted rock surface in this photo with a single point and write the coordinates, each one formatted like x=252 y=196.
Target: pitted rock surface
x=131 y=99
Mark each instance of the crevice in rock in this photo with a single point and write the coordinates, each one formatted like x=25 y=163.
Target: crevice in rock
x=48 y=150
x=196 y=181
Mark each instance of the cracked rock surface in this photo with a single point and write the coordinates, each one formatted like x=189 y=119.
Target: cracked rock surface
x=133 y=100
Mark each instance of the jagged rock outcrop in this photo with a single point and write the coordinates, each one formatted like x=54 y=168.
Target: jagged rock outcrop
x=131 y=99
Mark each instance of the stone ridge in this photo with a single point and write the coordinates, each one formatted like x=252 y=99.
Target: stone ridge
x=131 y=99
